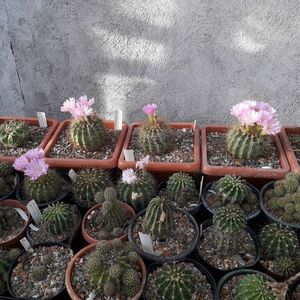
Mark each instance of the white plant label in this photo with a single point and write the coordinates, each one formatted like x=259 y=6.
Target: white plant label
x=129 y=155
x=118 y=119
x=22 y=214
x=194 y=126
x=34 y=228
x=34 y=211
x=42 y=119
x=146 y=243
x=73 y=175
x=201 y=186
x=25 y=244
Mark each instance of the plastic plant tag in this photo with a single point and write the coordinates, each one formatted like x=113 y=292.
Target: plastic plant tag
x=42 y=119
x=22 y=214
x=34 y=211
x=146 y=243
x=200 y=230
x=129 y=155
x=34 y=228
x=194 y=126
x=201 y=186
x=26 y=245
x=118 y=119
x=73 y=175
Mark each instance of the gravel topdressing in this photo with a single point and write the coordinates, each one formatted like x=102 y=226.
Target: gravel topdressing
x=295 y=142
x=218 y=156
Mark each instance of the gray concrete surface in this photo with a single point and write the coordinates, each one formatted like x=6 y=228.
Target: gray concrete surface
x=194 y=58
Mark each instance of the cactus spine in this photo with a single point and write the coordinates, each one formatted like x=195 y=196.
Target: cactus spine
x=285 y=266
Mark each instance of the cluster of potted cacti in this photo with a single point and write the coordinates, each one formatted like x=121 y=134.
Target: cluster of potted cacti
x=156 y=212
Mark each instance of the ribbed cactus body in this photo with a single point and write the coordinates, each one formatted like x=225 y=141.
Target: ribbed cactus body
x=57 y=217
x=4 y=188
x=253 y=287
x=156 y=139
x=8 y=218
x=44 y=189
x=39 y=273
x=285 y=266
x=229 y=222
x=159 y=218
x=87 y=134
x=139 y=193
x=278 y=240
x=243 y=145
x=14 y=133
x=6 y=169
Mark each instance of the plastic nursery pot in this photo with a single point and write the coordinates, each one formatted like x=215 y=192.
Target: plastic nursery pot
x=91 y=240
x=271 y=218
x=211 y=211
x=57 y=296
x=12 y=193
x=82 y=253
x=287 y=147
x=159 y=259
x=234 y=273
x=292 y=289
x=52 y=124
x=154 y=266
x=245 y=172
x=193 y=211
x=169 y=167
x=78 y=163
x=14 y=242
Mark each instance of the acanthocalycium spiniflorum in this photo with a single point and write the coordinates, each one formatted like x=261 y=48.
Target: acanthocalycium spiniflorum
x=155 y=137
x=251 y=139
x=87 y=130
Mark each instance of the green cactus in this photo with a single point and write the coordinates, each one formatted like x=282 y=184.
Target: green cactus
x=110 y=271
x=39 y=273
x=14 y=133
x=6 y=169
x=278 y=240
x=139 y=193
x=156 y=138
x=87 y=134
x=285 y=266
x=5 y=189
x=159 y=218
x=243 y=145
x=253 y=286
x=57 y=217
x=88 y=183
x=279 y=191
x=229 y=222
x=8 y=218
x=291 y=185
x=44 y=189
x=294 y=176
x=2 y=286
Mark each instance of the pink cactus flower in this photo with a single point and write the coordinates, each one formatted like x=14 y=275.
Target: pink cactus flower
x=142 y=162
x=21 y=163
x=36 y=168
x=129 y=176
x=35 y=153
x=81 y=108
x=150 y=109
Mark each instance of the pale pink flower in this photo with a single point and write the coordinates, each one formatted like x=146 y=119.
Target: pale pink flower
x=81 y=108
x=129 y=176
x=21 y=163
x=142 y=162
x=35 y=153
x=150 y=109
x=83 y=100
x=69 y=105
x=36 y=168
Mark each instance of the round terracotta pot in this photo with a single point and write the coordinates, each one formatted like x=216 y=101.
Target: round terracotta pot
x=82 y=253
x=14 y=242
x=84 y=232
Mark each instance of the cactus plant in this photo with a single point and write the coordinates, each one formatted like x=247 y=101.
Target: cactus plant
x=57 y=217
x=39 y=273
x=88 y=183
x=4 y=188
x=110 y=271
x=8 y=218
x=14 y=133
x=229 y=222
x=6 y=169
x=285 y=266
x=159 y=218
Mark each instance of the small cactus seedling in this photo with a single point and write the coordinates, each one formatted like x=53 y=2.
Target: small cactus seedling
x=8 y=218
x=40 y=273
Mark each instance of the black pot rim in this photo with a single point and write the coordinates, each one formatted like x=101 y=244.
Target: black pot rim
x=14 y=190
x=207 y=187
x=209 y=223
x=163 y=259
x=15 y=262
x=265 y=188
x=153 y=266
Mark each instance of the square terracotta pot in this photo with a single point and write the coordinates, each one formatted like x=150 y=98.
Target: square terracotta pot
x=287 y=147
x=52 y=125
x=78 y=163
x=246 y=172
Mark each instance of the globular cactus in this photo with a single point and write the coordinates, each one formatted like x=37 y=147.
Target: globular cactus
x=139 y=193
x=159 y=218
x=253 y=286
x=229 y=222
x=8 y=218
x=278 y=240
x=4 y=188
x=57 y=217
x=14 y=133
x=111 y=269
x=285 y=266
x=6 y=169
x=156 y=138
x=87 y=134
x=243 y=145
x=44 y=189
x=88 y=183
x=39 y=273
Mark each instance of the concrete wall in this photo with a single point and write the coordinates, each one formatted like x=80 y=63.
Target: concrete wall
x=194 y=58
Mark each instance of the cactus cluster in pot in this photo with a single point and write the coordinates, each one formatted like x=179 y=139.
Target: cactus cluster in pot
x=87 y=130
x=283 y=200
x=7 y=178
x=8 y=220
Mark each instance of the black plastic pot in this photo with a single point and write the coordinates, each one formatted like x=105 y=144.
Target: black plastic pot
x=201 y=268
x=12 y=193
x=60 y=295
x=191 y=211
x=219 y=272
x=292 y=288
x=159 y=259
x=271 y=218
x=211 y=211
